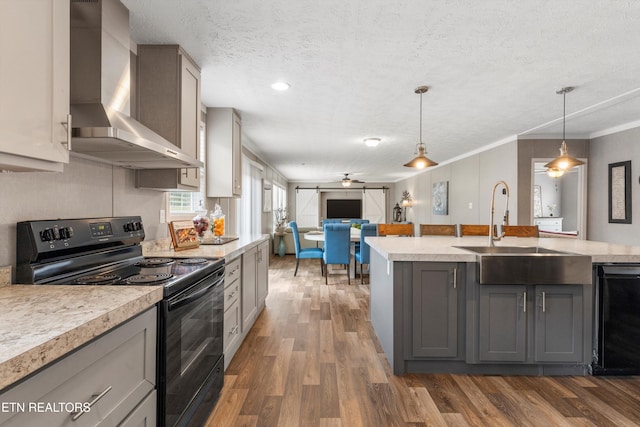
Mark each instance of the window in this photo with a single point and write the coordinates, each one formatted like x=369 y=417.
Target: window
x=279 y=200
x=183 y=204
x=249 y=206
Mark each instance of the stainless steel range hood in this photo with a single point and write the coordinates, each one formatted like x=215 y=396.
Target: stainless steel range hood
x=102 y=128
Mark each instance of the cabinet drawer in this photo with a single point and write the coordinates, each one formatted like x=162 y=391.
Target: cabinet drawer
x=232 y=331
x=232 y=271
x=231 y=294
x=119 y=367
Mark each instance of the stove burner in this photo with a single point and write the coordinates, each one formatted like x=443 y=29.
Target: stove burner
x=193 y=261
x=99 y=279
x=149 y=278
x=155 y=262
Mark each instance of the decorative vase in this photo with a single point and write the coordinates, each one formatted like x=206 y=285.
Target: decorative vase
x=282 y=249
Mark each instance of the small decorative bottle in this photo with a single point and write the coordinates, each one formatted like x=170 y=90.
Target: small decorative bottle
x=217 y=217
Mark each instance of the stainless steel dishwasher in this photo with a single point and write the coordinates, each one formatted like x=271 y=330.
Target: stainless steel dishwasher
x=617 y=320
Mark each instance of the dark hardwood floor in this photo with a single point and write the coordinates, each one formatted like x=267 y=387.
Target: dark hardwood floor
x=312 y=359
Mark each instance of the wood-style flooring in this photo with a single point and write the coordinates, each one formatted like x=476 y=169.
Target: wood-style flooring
x=312 y=359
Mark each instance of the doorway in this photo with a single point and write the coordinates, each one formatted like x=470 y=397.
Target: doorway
x=559 y=205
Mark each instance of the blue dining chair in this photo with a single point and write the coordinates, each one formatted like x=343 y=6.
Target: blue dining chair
x=336 y=246
x=360 y=222
x=306 y=253
x=331 y=221
x=363 y=254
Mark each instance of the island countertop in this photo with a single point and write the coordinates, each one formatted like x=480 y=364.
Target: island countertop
x=40 y=323
x=446 y=249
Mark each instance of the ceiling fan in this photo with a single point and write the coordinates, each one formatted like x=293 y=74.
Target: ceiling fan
x=346 y=181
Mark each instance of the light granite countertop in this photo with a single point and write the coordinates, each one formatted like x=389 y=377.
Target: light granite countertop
x=40 y=323
x=228 y=251
x=436 y=248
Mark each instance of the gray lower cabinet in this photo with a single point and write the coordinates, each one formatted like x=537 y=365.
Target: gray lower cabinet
x=434 y=315
x=547 y=318
x=114 y=376
x=249 y=288
x=558 y=323
x=262 y=274
x=503 y=323
x=232 y=337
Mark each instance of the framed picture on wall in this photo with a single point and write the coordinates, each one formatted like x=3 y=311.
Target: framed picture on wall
x=441 y=198
x=537 y=201
x=620 y=192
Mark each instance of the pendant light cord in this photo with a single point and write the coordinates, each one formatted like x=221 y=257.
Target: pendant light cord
x=564 y=112
x=420 y=118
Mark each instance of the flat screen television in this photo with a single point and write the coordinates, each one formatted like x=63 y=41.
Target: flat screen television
x=344 y=208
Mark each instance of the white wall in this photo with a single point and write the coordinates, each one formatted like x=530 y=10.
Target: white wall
x=618 y=147
x=470 y=183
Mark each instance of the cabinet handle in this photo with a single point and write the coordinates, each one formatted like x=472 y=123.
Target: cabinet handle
x=544 y=303
x=524 y=302
x=96 y=397
x=455 y=278
x=233 y=331
x=68 y=125
x=232 y=294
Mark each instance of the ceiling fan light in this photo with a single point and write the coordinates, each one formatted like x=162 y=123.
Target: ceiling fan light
x=554 y=172
x=346 y=182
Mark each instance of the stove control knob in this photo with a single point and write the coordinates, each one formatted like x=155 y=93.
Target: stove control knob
x=137 y=225
x=47 y=235
x=66 y=233
x=128 y=227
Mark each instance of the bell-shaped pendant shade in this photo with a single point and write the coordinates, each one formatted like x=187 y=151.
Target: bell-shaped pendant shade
x=564 y=161
x=558 y=166
x=421 y=161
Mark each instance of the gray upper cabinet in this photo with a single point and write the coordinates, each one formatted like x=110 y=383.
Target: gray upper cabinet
x=34 y=83
x=224 y=153
x=553 y=314
x=168 y=102
x=434 y=310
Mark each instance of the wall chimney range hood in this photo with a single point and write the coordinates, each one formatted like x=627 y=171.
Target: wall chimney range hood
x=102 y=128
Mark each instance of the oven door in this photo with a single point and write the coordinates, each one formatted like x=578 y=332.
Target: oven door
x=192 y=325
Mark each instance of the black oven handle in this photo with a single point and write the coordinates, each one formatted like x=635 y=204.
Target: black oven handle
x=189 y=298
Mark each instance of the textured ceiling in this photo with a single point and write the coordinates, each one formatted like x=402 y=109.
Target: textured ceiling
x=492 y=67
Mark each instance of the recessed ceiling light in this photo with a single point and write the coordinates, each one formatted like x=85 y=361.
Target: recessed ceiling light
x=280 y=86
x=372 y=142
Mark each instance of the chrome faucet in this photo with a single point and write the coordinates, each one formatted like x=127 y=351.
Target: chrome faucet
x=505 y=220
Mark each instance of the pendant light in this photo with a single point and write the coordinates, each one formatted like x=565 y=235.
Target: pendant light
x=421 y=161
x=558 y=166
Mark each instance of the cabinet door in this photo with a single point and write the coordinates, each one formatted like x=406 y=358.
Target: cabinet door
x=434 y=310
x=558 y=324
x=144 y=415
x=503 y=323
x=231 y=338
x=263 y=272
x=237 y=156
x=189 y=107
x=249 y=294
x=34 y=83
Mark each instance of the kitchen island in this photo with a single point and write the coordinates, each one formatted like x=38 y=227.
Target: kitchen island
x=431 y=314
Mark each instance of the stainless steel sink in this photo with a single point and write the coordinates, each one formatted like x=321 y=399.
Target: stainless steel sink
x=530 y=265
x=506 y=250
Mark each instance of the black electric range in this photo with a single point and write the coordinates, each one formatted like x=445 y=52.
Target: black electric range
x=108 y=252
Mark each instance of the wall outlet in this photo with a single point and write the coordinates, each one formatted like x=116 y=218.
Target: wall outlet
x=470 y=205
x=163 y=217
